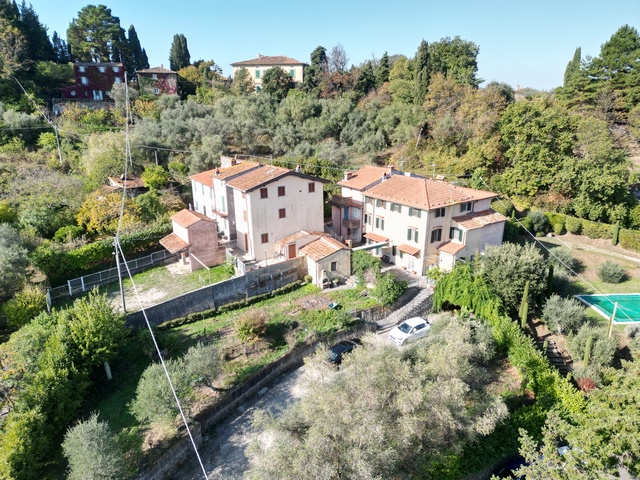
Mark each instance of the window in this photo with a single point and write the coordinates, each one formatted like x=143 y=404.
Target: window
x=117 y=80
x=244 y=215
x=369 y=200
x=380 y=203
x=264 y=193
x=292 y=73
x=73 y=93
x=312 y=187
x=84 y=80
x=116 y=69
x=440 y=212
x=154 y=76
x=334 y=266
x=281 y=191
x=412 y=234
x=466 y=207
x=196 y=206
x=394 y=251
x=264 y=238
x=202 y=188
x=414 y=212
x=380 y=223
x=223 y=206
x=436 y=235
x=156 y=91
x=396 y=208
x=455 y=234
x=81 y=69
x=257 y=73
x=367 y=219
x=258 y=88
x=282 y=213
x=101 y=69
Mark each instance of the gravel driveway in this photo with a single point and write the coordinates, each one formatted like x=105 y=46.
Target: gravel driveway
x=223 y=449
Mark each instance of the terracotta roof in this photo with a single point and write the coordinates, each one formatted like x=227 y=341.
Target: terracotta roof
x=364 y=177
x=133 y=182
x=474 y=220
x=375 y=237
x=411 y=250
x=223 y=173
x=321 y=248
x=173 y=243
x=185 y=218
x=268 y=60
x=258 y=177
x=155 y=70
x=450 y=247
x=294 y=237
x=424 y=193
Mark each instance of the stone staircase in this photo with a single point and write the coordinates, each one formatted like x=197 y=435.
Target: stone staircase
x=560 y=360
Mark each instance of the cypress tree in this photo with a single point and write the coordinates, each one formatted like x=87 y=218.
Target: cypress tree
x=587 y=351
x=525 y=298
x=550 y=281
x=573 y=68
x=179 y=54
x=616 y=234
x=421 y=76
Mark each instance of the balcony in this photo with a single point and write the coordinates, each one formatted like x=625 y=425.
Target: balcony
x=342 y=202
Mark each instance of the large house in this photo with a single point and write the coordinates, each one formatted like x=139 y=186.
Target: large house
x=259 y=205
x=257 y=67
x=93 y=81
x=415 y=221
x=157 y=81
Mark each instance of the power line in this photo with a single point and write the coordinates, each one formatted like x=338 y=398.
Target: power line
x=569 y=269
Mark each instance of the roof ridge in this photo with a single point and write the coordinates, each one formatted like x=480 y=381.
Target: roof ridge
x=426 y=192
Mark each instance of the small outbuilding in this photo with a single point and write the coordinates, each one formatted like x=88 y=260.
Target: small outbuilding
x=195 y=238
x=328 y=260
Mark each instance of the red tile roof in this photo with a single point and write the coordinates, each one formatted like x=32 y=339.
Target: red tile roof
x=173 y=243
x=450 y=247
x=364 y=177
x=258 y=177
x=185 y=218
x=411 y=250
x=321 y=248
x=424 y=193
x=375 y=237
x=268 y=60
x=223 y=173
x=474 y=220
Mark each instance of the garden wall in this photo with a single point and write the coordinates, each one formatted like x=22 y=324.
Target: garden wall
x=182 y=450
x=253 y=283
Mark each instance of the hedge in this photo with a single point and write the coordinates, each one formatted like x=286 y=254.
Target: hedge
x=596 y=230
x=629 y=239
x=60 y=265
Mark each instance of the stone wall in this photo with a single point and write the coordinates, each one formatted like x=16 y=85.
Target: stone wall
x=169 y=464
x=254 y=282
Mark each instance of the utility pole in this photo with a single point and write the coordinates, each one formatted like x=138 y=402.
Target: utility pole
x=116 y=243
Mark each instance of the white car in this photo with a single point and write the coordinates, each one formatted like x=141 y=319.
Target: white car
x=409 y=330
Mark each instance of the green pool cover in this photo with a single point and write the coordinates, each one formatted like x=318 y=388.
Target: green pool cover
x=628 y=306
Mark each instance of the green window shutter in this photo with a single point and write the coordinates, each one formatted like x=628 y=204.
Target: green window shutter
x=419 y=212
x=292 y=73
x=452 y=233
x=257 y=73
x=460 y=235
x=416 y=236
x=409 y=234
x=411 y=211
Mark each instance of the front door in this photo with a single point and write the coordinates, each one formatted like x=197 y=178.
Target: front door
x=292 y=250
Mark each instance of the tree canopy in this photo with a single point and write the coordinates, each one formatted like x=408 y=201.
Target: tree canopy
x=179 y=56
x=96 y=35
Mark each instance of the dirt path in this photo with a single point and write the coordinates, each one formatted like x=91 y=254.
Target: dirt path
x=223 y=449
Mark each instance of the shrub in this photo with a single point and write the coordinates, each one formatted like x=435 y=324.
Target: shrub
x=561 y=282
x=596 y=230
x=632 y=331
x=539 y=221
x=525 y=225
x=25 y=306
x=308 y=278
x=573 y=225
x=587 y=378
x=563 y=260
x=505 y=207
x=511 y=231
x=362 y=262
x=558 y=228
x=70 y=232
x=611 y=272
x=630 y=239
x=388 y=289
x=251 y=325
x=563 y=315
x=603 y=348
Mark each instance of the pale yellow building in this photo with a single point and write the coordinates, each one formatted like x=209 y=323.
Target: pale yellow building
x=257 y=67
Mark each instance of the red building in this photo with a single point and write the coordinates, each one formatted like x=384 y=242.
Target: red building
x=158 y=81
x=94 y=80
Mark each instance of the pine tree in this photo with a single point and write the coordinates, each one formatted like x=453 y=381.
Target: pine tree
x=60 y=49
x=573 y=68
x=38 y=45
x=179 y=54
x=382 y=72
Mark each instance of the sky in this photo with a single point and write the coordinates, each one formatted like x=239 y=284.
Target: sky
x=526 y=43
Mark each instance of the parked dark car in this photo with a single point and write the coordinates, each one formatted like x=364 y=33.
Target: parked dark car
x=340 y=349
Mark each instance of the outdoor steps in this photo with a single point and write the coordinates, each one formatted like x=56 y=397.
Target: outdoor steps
x=563 y=363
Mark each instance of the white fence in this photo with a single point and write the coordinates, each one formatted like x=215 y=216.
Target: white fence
x=78 y=286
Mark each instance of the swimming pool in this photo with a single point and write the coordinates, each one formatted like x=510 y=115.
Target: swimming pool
x=628 y=310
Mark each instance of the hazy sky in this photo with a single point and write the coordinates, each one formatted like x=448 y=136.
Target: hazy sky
x=526 y=43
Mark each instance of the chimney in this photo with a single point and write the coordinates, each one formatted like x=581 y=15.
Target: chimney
x=190 y=207
x=390 y=169
x=217 y=171
x=440 y=178
x=347 y=176
x=298 y=168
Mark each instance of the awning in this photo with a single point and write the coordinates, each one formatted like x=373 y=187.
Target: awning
x=404 y=248
x=450 y=247
x=173 y=243
x=374 y=237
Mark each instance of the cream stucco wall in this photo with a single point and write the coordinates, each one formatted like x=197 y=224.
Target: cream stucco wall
x=303 y=209
x=298 y=72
